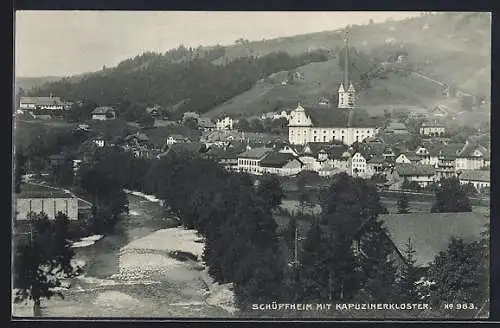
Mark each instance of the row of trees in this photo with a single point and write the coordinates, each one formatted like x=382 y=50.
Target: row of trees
x=268 y=125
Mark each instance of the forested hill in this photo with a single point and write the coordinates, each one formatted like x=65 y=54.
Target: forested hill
x=183 y=75
x=452 y=48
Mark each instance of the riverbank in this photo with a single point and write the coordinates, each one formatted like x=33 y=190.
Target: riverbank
x=136 y=272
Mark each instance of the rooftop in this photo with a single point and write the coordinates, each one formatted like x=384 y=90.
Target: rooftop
x=475 y=175
x=276 y=159
x=103 y=110
x=41 y=100
x=430 y=233
x=405 y=169
x=337 y=117
x=255 y=153
x=37 y=191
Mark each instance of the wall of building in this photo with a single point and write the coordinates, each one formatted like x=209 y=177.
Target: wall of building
x=469 y=163
x=50 y=206
x=303 y=135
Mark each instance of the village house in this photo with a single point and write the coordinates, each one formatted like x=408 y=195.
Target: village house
x=47 y=103
x=105 y=113
x=227 y=158
x=224 y=124
x=418 y=114
x=396 y=128
x=282 y=147
x=205 y=124
x=139 y=145
x=282 y=164
x=220 y=138
x=176 y=138
x=479 y=178
x=445 y=167
x=359 y=165
x=407 y=157
x=428 y=153
x=190 y=148
x=424 y=175
x=154 y=111
x=376 y=165
x=472 y=157
x=432 y=129
x=439 y=111
x=249 y=161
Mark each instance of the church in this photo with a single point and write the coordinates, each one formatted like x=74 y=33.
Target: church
x=346 y=123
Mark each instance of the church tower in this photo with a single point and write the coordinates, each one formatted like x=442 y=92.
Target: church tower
x=347 y=93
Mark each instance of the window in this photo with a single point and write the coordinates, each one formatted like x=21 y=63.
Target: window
x=342 y=131
x=314 y=137
x=324 y=131
x=315 y=131
x=324 y=138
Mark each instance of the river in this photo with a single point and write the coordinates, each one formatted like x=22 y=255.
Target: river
x=130 y=273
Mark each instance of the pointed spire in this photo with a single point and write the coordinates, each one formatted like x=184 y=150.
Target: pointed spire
x=351 y=88
x=346 y=60
x=341 y=88
x=299 y=106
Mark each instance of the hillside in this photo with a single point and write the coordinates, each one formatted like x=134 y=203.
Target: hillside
x=450 y=47
x=27 y=83
x=453 y=49
x=246 y=78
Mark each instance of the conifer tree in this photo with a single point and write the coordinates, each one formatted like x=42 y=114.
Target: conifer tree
x=403 y=204
x=407 y=284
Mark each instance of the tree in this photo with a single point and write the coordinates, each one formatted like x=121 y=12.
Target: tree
x=191 y=123
x=451 y=197
x=146 y=121
x=242 y=125
x=312 y=268
x=403 y=204
x=350 y=207
x=19 y=170
x=407 y=284
x=43 y=262
x=460 y=273
x=269 y=189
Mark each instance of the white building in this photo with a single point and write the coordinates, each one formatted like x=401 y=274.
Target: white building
x=103 y=114
x=224 y=124
x=432 y=129
x=176 y=138
x=282 y=164
x=49 y=103
x=472 y=157
x=347 y=123
x=479 y=178
x=359 y=167
x=424 y=175
x=249 y=161
x=330 y=124
x=36 y=199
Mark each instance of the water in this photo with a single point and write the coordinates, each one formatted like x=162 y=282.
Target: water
x=158 y=286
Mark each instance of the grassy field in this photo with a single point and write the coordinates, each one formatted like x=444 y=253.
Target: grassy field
x=452 y=48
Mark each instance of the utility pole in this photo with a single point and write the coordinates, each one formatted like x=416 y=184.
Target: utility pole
x=296 y=245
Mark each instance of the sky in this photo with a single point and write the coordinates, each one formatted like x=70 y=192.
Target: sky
x=63 y=43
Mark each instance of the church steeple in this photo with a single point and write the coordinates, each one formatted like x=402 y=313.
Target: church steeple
x=347 y=93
